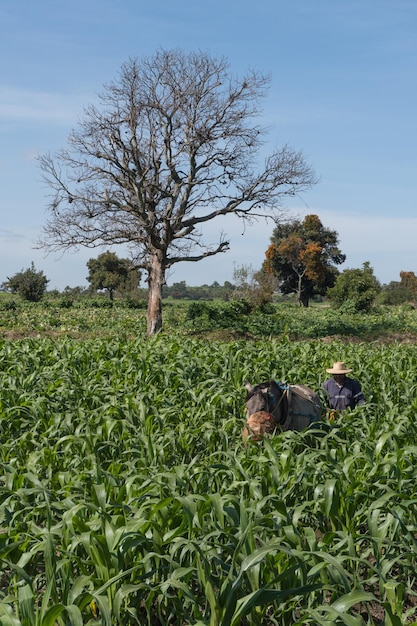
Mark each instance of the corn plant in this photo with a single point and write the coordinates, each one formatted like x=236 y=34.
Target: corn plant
x=128 y=497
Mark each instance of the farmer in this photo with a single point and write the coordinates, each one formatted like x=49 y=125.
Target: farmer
x=342 y=392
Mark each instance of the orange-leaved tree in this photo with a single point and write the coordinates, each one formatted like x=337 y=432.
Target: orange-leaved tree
x=409 y=282
x=303 y=256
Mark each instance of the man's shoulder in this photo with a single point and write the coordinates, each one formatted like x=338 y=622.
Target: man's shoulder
x=355 y=384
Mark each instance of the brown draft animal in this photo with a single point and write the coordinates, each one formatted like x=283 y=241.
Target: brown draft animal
x=291 y=407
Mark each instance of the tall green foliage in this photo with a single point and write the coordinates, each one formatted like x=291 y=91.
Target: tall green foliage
x=127 y=496
x=111 y=273
x=355 y=290
x=30 y=284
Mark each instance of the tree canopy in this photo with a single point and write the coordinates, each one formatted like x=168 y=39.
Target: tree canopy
x=111 y=273
x=173 y=145
x=303 y=256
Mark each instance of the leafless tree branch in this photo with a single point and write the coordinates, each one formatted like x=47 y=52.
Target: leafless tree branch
x=173 y=145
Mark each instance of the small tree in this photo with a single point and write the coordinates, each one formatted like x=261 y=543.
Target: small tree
x=399 y=292
x=303 y=256
x=255 y=287
x=111 y=273
x=30 y=284
x=174 y=145
x=409 y=284
x=355 y=290
x=179 y=290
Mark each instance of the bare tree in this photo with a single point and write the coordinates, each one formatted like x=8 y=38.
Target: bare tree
x=172 y=147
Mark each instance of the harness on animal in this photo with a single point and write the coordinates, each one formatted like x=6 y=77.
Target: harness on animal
x=281 y=407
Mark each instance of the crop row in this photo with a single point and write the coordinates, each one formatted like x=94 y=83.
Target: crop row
x=128 y=497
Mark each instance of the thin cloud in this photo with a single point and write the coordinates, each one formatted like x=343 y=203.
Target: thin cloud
x=38 y=106
x=373 y=234
x=7 y=236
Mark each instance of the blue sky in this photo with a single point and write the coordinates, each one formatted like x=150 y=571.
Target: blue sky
x=343 y=90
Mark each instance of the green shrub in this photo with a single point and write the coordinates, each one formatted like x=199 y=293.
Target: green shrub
x=355 y=290
x=30 y=284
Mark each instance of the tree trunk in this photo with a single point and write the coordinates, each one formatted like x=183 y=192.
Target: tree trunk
x=156 y=280
x=300 y=290
x=302 y=297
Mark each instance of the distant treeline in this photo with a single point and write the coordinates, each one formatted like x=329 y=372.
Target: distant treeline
x=394 y=293
x=182 y=291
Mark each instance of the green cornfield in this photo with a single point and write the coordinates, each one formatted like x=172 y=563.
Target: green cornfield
x=127 y=496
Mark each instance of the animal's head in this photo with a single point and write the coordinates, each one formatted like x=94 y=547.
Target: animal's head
x=259 y=425
x=257 y=398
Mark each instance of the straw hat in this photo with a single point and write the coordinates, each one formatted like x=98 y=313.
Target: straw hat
x=338 y=368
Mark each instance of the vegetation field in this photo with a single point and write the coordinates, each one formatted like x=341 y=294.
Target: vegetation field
x=64 y=316
x=127 y=495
